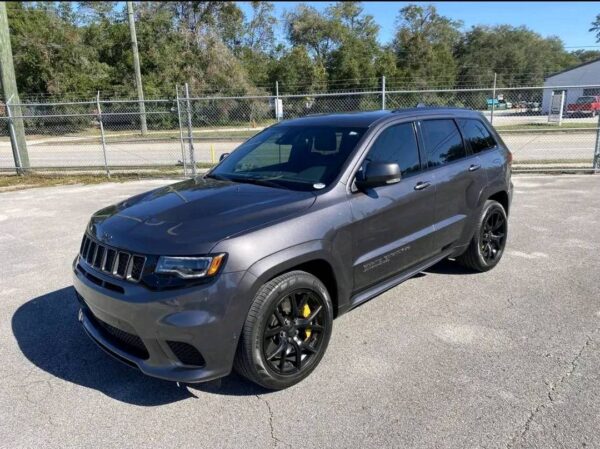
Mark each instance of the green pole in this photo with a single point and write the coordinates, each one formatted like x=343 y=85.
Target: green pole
x=11 y=95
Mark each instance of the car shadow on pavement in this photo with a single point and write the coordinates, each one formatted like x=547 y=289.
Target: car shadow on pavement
x=49 y=335
x=448 y=267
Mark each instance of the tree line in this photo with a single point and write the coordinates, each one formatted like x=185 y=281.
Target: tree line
x=73 y=49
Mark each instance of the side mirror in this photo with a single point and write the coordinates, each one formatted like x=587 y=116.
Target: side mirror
x=223 y=156
x=378 y=174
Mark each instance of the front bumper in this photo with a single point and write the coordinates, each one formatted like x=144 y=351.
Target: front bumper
x=208 y=317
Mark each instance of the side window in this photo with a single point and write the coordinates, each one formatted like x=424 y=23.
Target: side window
x=397 y=143
x=477 y=135
x=443 y=142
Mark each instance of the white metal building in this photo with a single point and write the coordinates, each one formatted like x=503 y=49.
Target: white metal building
x=586 y=74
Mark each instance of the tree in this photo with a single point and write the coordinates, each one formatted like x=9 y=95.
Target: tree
x=50 y=55
x=424 y=44
x=74 y=49
x=582 y=56
x=296 y=71
x=258 y=43
x=518 y=55
x=596 y=28
x=353 y=59
x=308 y=28
x=258 y=33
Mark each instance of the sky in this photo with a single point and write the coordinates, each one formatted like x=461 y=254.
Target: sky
x=568 y=20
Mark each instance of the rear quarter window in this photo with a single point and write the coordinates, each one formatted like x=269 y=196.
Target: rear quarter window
x=476 y=135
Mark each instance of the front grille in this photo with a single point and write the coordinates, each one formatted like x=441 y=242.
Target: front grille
x=186 y=353
x=113 y=262
x=125 y=341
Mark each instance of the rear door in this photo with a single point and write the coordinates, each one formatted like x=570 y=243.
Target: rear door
x=458 y=179
x=393 y=227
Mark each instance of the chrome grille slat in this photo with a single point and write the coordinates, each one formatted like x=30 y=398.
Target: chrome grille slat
x=98 y=256
x=111 y=261
x=137 y=266
x=90 y=254
x=129 y=268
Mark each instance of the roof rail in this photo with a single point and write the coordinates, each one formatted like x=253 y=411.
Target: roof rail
x=424 y=106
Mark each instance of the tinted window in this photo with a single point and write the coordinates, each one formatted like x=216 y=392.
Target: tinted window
x=477 y=135
x=398 y=144
x=296 y=157
x=443 y=142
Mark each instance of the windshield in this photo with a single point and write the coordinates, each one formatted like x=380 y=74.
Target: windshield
x=585 y=100
x=292 y=157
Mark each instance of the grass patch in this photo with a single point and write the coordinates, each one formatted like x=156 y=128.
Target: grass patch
x=51 y=178
x=552 y=161
x=547 y=127
x=204 y=133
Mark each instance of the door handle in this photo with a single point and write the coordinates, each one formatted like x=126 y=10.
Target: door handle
x=421 y=185
x=474 y=167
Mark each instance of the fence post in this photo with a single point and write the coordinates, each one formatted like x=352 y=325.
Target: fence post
x=278 y=113
x=383 y=92
x=183 y=159
x=102 y=137
x=493 y=100
x=14 y=140
x=597 y=147
x=190 y=132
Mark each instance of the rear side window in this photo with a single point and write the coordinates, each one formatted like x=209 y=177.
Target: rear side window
x=443 y=142
x=477 y=135
x=397 y=143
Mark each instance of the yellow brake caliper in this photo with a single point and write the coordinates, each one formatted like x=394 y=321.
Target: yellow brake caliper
x=306 y=314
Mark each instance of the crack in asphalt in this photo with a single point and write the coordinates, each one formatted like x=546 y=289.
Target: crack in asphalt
x=550 y=393
x=271 y=426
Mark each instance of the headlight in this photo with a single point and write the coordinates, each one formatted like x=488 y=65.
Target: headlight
x=190 y=267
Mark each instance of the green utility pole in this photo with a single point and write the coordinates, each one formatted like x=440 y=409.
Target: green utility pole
x=9 y=87
x=136 y=65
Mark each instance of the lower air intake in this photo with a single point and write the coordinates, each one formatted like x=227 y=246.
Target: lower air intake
x=186 y=353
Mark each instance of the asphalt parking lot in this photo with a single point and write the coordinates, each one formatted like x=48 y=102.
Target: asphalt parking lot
x=449 y=359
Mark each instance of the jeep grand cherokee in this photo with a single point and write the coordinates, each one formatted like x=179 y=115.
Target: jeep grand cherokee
x=247 y=266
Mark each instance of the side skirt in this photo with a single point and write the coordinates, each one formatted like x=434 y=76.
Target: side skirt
x=378 y=289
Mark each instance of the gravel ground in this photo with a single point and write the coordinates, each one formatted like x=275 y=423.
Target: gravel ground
x=505 y=359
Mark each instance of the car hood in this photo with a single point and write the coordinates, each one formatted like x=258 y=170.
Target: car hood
x=190 y=217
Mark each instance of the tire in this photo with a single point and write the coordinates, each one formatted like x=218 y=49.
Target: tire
x=274 y=330
x=487 y=245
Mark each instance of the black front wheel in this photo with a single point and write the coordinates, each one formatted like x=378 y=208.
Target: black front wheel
x=286 y=331
x=489 y=239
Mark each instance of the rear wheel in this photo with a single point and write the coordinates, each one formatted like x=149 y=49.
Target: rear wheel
x=286 y=331
x=489 y=239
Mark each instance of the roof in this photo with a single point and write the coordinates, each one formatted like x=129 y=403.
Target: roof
x=573 y=68
x=362 y=119
x=366 y=119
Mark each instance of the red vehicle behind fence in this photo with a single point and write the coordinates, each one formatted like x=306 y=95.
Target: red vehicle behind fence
x=588 y=104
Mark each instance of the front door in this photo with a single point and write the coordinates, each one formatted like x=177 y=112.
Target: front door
x=393 y=224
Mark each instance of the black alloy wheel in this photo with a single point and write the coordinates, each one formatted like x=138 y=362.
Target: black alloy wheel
x=294 y=332
x=493 y=235
x=489 y=239
x=286 y=332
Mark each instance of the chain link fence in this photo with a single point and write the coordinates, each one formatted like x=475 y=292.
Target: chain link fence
x=187 y=133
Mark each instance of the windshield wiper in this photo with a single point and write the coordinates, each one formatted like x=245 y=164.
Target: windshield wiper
x=217 y=177
x=269 y=182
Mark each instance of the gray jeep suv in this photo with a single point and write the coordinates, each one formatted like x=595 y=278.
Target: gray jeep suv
x=248 y=265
